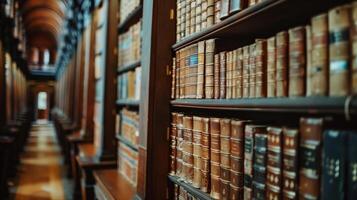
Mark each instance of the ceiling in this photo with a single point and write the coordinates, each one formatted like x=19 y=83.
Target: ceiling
x=43 y=21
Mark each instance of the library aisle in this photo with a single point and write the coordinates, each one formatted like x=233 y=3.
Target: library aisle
x=41 y=174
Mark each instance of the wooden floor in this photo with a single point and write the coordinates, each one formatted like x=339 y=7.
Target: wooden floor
x=41 y=173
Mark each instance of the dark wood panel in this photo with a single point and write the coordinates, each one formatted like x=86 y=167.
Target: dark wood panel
x=262 y=20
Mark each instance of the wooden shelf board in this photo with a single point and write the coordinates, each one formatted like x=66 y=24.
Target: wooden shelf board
x=306 y=105
x=261 y=20
x=189 y=188
x=132 y=18
x=126 y=68
x=127 y=142
x=113 y=185
x=125 y=102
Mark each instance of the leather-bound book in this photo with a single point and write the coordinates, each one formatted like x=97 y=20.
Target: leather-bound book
x=191 y=77
x=217 y=11
x=181 y=73
x=178 y=75
x=178 y=19
x=234 y=73
x=173 y=79
x=197 y=150
x=179 y=144
x=246 y=72
x=198 y=20
x=188 y=18
x=201 y=70
x=274 y=162
x=339 y=23
x=193 y=16
x=308 y=59
x=250 y=131
x=229 y=71
x=259 y=166
x=261 y=68
x=187 y=151
x=290 y=163
x=252 y=70
x=271 y=67
x=224 y=12
x=222 y=74
x=354 y=49
x=334 y=155
x=203 y=14
x=215 y=157
x=216 y=76
x=184 y=69
x=318 y=73
x=310 y=163
x=239 y=74
x=236 y=5
x=173 y=143
x=282 y=56
x=210 y=12
x=225 y=146
x=183 y=19
x=352 y=166
x=205 y=165
x=209 y=69
x=297 y=61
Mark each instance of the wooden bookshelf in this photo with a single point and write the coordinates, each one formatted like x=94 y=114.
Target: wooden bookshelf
x=247 y=24
x=193 y=191
x=128 y=143
x=133 y=17
x=129 y=67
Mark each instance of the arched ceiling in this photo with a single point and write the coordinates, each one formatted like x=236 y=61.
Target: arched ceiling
x=43 y=20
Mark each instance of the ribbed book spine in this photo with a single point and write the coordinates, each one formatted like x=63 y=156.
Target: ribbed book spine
x=225 y=147
x=274 y=162
x=246 y=72
x=252 y=70
x=201 y=70
x=215 y=157
x=271 y=67
x=197 y=151
x=209 y=69
x=229 y=75
x=282 y=56
x=261 y=68
x=173 y=79
x=239 y=73
x=216 y=76
x=222 y=74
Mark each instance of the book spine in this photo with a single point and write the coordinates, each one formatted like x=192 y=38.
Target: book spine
x=239 y=73
x=201 y=70
x=246 y=72
x=308 y=59
x=182 y=72
x=193 y=17
x=183 y=19
x=229 y=75
x=261 y=68
x=354 y=49
x=310 y=148
x=334 y=164
x=271 y=67
x=209 y=69
x=178 y=75
x=217 y=11
x=274 y=162
x=259 y=165
x=178 y=19
x=320 y=56
x=352 y=166
x=179 y=144
x=210 y=12
x=290 y=163
x=282 y=64
x=173 y=79
x=205 y=154
x=252 y=70
x=188 y=53
x=204 y=14
x=216 y=76
x=297 y=61
x=225 y=147
x=234 y=73
x=339 y=36
x=187 y=150
x=192 y=72
x=222 y=74
x=215 y=157
x=198 y=15
x=188 y=18
x=173 y=143
x=197 y=159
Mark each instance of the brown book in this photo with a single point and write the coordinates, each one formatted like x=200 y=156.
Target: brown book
x=198 y=20
x=188 y=18
x=297 y=61
x=222 y=74
x=234 y=73
x=271 y=67
x=201 y=70
x=183 y=19
x=252 y=70
x=197 y=159
x=236 y=5
x=290 y=163
x=339 y=23
x=179 y=141
x=216 y=76
x=354 y=49
x=173 y=135
x=318 y=74
x=193 y=72
x=215 y=157
x=193 y=16
x=183 y=59
x=308 y=59
x=187 y=150
x=261 y=67
x=173 y=79
x=310 y=164
x=229 y=70
x=217 y=11
x=205 y=161
x=178 y=19
x=224 y=12
x=282 y=64
x=178 y=75
x=204 y=14
x=210 y=12
x=209 y=69
x=239 y=74
x=246 y=72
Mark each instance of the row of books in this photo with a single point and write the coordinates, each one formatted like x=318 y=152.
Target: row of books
x=129 y=84
x=129 y=45
x=312 y=60
x=196 y=15
x=128 y=163
x=127 y=7
x=128 y=125
x=232 y=159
